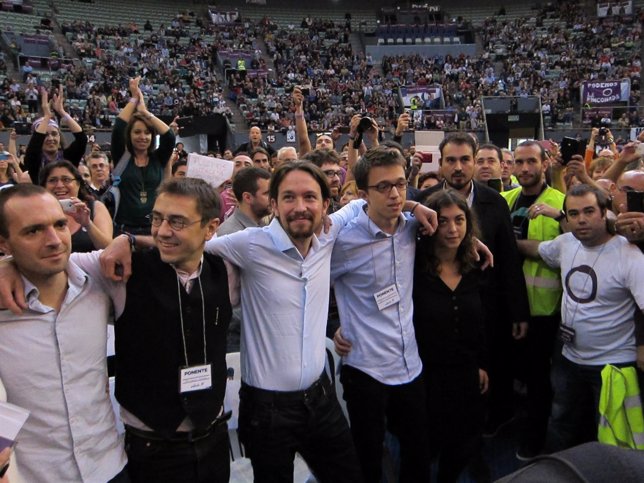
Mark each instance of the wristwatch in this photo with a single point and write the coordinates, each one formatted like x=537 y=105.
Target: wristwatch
x=562 y=215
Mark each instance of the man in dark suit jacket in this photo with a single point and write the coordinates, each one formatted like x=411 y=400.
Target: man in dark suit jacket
x=504 y=294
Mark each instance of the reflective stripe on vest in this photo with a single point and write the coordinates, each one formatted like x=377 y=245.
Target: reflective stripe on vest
x=621 y=422
x=542 y=282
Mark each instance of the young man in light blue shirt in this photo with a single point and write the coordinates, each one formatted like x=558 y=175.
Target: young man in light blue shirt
x=286 y=401
x=372 y=268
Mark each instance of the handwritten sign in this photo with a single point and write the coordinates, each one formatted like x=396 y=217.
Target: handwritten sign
x=213 y=170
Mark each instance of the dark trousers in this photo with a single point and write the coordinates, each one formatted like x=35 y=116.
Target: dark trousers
x=369 y=403
x=205 y=460
x=454 y=417
x=500 y=371
x=538 y=348
x=274 y=425
x=122 y=477
x=575 y=415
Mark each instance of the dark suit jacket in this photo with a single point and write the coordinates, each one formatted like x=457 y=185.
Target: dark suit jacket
x=505 y=298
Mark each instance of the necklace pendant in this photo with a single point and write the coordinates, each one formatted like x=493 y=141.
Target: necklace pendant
x=143 y=196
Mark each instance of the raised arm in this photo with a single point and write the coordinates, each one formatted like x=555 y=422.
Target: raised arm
x=33 y=156
x=628 y=155
x=130 y=107
x=59 y=106
x=12 y=148
x=301 y=130
x=353 y=152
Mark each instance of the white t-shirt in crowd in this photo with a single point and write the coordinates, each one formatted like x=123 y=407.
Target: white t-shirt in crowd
x=602 y=286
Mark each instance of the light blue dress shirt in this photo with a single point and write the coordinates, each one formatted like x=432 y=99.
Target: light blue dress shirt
x=365 y=261
x=284 y=301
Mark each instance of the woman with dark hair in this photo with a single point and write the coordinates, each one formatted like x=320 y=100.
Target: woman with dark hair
x=448 y=321
x=133 y=136
x=89 y=221
x=47 y=144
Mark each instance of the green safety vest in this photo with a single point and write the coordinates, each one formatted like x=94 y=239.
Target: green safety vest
x=620 y=409
x=543 y=283
x=241 y=64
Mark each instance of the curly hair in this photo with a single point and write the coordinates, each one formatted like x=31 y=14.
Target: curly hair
x=426 y=259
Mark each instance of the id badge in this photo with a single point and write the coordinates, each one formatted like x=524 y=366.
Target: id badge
x=195 y=378
x=566 y=334
x=387 y=297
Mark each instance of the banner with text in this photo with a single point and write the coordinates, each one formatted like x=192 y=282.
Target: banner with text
x=605 y=92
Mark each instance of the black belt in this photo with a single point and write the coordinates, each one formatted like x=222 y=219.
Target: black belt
x=181 y=436
x=321 y=387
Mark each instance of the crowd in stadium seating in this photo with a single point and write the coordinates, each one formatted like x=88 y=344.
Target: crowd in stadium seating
x=184 y=71
x=547 y=61
x=423 y=377
x=319 y=57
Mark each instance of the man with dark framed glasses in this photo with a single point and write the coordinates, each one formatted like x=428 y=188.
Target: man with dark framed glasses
x=172 y=316
x=329 y=162
x=174 y=321
x=372 y=271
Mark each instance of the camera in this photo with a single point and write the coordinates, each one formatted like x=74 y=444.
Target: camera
x=365 y=124
x=67 y=205
x=603 y=131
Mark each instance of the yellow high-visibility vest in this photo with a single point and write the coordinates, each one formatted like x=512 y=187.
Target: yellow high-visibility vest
x=543 y=283
x=621 y=422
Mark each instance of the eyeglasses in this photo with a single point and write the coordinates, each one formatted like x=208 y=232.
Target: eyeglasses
x=177 y=223
x=507 y=161
x=385 y=187
x=66 y=180
x=330 y=173
x=627 y=189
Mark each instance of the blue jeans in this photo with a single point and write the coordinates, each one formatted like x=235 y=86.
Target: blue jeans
x=575 y=406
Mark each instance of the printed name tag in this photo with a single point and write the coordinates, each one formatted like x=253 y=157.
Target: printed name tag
x=566 y=334
x=387 y=297
x=195 y=378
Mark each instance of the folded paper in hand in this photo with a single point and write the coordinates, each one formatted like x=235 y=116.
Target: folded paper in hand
x=12 y=418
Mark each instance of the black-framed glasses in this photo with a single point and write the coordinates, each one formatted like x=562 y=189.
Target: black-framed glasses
x=330 y=173
x=177 y=223
x=385 y=187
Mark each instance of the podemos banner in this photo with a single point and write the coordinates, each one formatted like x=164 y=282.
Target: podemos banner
x=605 y=92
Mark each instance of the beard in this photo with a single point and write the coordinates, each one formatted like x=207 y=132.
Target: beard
x=260 y=211
x=460 y=183
x=529 y=181
x=299 y=232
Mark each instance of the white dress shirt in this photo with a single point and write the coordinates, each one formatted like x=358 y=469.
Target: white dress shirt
x=54 y=364
x=366 y=261
x=284 y=300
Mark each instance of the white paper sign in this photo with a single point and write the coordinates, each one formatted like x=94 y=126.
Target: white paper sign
x=213 y=170
x=12 y=418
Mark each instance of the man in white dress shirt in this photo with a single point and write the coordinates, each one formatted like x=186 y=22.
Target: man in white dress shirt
x=287 y=403
x=53 y=356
